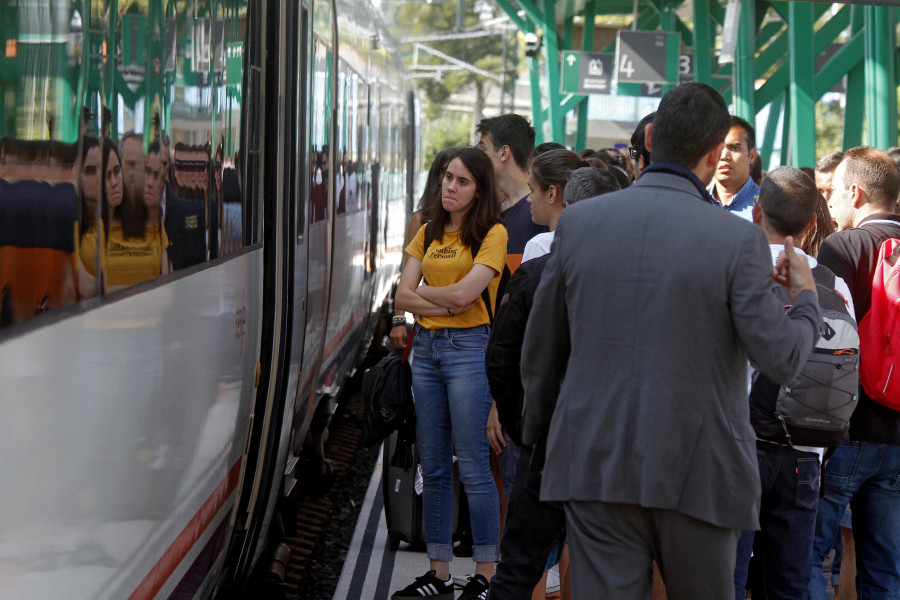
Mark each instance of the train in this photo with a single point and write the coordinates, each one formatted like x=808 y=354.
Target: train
x=156 y=416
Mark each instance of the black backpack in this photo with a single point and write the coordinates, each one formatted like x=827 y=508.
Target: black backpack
x=387 y=395
x=485 y=294
x=815 y=408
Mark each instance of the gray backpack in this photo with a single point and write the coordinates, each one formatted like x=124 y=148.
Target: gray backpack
x=815 y=408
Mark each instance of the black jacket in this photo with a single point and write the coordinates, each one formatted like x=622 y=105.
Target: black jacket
x=852 y=255
x=504 y=350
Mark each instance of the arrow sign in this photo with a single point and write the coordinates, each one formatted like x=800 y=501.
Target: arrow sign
x=587 y=73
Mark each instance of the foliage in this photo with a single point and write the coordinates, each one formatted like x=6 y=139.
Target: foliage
x=829 y=127
x=441 y=17
x=455 y=129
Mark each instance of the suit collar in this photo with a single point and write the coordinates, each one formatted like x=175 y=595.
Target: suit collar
x=665 y=177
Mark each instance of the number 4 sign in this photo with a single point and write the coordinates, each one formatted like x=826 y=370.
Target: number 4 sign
x=647 y=57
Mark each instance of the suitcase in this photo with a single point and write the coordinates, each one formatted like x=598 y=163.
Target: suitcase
x=403 y=510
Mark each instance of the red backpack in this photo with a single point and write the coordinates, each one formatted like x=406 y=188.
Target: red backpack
x=879 y=330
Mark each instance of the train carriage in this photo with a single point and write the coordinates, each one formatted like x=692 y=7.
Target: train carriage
x=152 y=423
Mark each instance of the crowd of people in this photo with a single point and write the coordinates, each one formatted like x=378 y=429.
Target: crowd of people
x=628 y=376
x=96 y=216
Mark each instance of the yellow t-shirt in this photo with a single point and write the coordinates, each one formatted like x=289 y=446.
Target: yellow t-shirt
x=449 y=261
x=87 y=248
x=136 y=259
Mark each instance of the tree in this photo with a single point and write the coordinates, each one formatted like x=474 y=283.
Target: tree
x=442 y=17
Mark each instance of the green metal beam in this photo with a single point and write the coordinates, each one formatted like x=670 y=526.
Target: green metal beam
x=513 y=14
x=881 y=99
x=745 y=63
x=843 y=61
x=800 y=90
x=856 y=91
x=551 y=43
x=587 y=45
x=768 y=139
x=703 y=40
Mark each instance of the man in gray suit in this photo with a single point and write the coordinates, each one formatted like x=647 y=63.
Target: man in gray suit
x=648 y=309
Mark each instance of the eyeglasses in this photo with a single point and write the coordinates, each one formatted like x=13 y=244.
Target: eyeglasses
x=634 y=152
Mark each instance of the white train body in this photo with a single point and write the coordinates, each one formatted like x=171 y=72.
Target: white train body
x=149 y=430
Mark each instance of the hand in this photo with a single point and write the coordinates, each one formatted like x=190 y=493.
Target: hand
x=792 y=271
x=461 y=309
x=495 y=431
x=398 y=336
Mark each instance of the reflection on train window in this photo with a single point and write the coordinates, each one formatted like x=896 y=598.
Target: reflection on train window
x=320 y=156
x=120 y=156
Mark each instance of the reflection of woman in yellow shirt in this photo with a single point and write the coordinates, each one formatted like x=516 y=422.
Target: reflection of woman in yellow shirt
x=86 y=227
x=136 y=241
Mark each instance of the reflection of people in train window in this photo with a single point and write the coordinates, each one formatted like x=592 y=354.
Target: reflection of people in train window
x=185 y=223
x=135 y=252
x=89 y=184
x=131 y=149
x=319 y=195
x=38 y=210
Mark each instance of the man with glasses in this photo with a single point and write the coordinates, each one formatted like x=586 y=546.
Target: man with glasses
x=638 y=149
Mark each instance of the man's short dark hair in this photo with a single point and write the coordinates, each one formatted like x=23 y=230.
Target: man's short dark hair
x=749 y=130
x=787 y=198
x=637 y=137
x=876 y=173
x=690 y=121
x=588 y=182
x=829 y=162
x=510 y=130
x=546 y=147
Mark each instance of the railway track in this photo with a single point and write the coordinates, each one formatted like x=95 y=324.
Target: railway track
x=323 y=527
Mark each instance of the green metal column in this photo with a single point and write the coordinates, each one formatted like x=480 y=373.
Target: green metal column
x=537 y=111
x=881 y=99
x=767 y=146
x=744 y=62
x=854 y=111
x=800 y=90
x=703 y=41
x=551 y=39
x=587 y=44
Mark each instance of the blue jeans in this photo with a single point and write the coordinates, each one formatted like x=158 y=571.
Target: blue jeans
x=453 y=403
x=867 y=476
x=787 y=519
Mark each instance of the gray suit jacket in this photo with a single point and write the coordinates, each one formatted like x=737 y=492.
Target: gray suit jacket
x=642 y=325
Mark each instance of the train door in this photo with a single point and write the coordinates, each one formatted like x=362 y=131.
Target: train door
x=319 y=209
x=277 y=67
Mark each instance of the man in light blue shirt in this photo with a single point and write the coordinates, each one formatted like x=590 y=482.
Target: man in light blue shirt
x=733 y=189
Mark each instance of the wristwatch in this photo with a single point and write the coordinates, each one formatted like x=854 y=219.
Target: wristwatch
x=398 y=320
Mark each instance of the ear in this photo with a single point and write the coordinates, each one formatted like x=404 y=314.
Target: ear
x=752 y=154
x=552 y=194
x=505 y=153
x=757 y=215
x=857 y=195
x=648 y=143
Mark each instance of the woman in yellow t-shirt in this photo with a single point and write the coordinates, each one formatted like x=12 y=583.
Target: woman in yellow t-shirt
x=449 y=382
x=136 y=248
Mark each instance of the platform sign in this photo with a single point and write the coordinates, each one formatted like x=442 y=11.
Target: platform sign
x=586 y=72
x=647 y=57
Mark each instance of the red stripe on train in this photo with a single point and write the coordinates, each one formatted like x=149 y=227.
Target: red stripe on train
x=170 y=560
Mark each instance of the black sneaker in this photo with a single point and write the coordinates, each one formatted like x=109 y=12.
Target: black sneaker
x=476 y=589
x=427 y=586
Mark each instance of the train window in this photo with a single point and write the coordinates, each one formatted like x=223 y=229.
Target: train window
x=320 y=134
x=125 y=166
